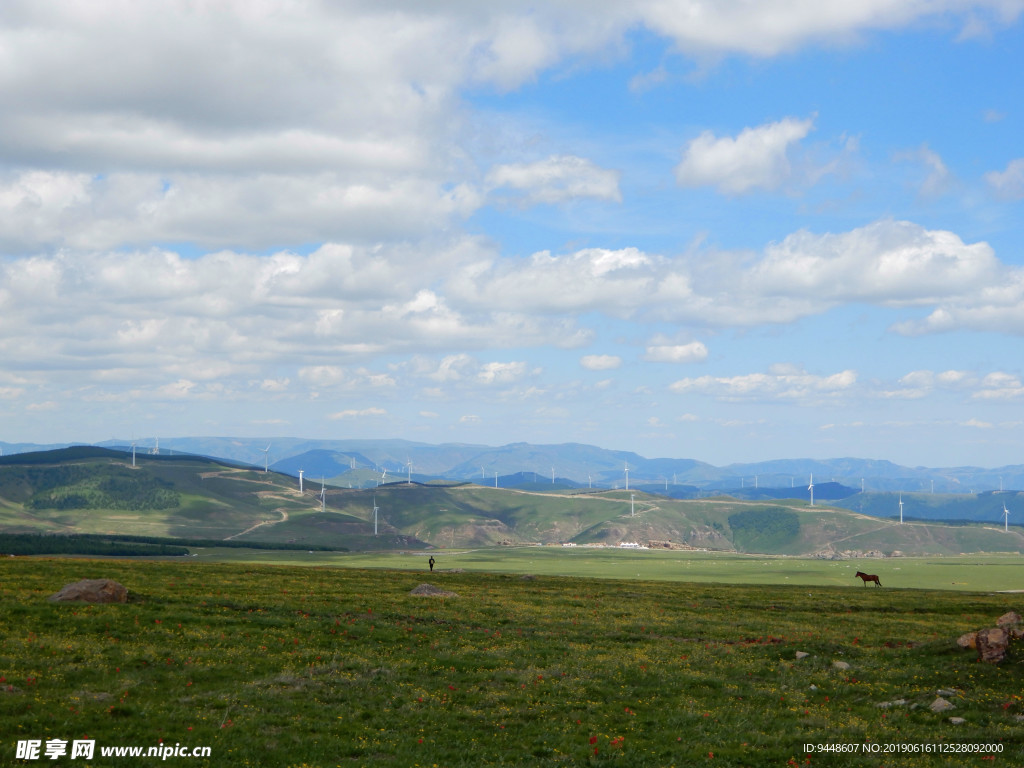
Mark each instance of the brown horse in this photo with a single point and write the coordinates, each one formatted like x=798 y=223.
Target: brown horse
x=866 y=577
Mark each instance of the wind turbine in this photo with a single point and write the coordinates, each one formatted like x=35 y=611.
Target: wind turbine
x=383 y=475
x=155 y=450
x=266 y=459
x=375 y=508
x=811 y=489
x=627 y=476
x=552 y=475
x=632 y=499
x=590 y=481
x=133 y=453
x=408 y=469
x=1006 y=518
x=323 y=495
x=495 y=478
x=901 y=509
x=300 y=480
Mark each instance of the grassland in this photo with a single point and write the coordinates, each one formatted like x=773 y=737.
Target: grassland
x=294 y=667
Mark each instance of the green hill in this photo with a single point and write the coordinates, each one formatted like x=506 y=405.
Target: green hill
x=97 y=491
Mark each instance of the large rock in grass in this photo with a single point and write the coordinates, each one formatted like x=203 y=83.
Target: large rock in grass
x=91 y=591
x=993 y=644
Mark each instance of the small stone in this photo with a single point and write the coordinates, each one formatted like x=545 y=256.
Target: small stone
x=941 y=705
x=887 y=704
x=946 y=692
x=802 y=655
x=957 y=720
x=840 y=665
x=814 y=687
x=429 y=590
x=968 y=640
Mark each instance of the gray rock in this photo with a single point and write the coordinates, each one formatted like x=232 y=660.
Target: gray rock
x=941 y=705
x=957 y=720
x=840 y=665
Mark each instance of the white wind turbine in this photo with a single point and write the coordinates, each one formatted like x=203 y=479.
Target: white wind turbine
x=627 y=476
x=300 y=480
x=632 y=501
x=1006 y=518
x=375 y=509
x=811 y=489
x=266 y=458
x=323 y=495
x=901 y=508
x=495 y=478
x=133 y=453
x=383 y=475
x=408 y=469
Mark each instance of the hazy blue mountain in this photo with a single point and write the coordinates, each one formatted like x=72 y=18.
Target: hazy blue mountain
x=584 y=465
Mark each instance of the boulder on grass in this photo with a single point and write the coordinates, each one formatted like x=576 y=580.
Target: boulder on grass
x=992 y=644
x=91 y=591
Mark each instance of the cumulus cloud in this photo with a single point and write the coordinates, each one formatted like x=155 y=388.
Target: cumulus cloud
x=600 y=362
x=557 y=179
x=781 y=382
x=502 y=373
x=775 y=26
x=694 y=352
x=755 y=159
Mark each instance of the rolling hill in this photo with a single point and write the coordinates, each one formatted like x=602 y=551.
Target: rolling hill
x=98 y=491
x=585 y=465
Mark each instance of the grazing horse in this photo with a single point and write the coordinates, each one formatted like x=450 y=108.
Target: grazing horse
x=866 y=577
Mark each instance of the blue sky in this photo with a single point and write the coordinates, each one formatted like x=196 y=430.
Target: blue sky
x=720 y=231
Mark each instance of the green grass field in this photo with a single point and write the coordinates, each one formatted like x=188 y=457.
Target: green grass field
x=325 y=666
x=967 y=572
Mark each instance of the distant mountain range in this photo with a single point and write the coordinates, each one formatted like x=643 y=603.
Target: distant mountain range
x=362 y=463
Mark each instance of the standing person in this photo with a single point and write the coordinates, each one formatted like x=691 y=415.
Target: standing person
x=430 y=562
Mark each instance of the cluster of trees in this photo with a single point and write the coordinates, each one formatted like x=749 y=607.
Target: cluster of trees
x=85 y=544
x=115 y=545
x=66 y=487
x=758 y=528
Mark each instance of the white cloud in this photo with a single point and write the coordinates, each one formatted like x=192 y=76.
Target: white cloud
x=1008 y=183
x=937 y=179
x=782 y=382
x=557 y=179
x=355 y=414
x=755 y=159
x=502 y=373
x=694 y=352
x=600 y=362
x=772 y=27
x=978 y=424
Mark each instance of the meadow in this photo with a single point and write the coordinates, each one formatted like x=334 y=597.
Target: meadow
x=974 y=572
x=275 y=665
